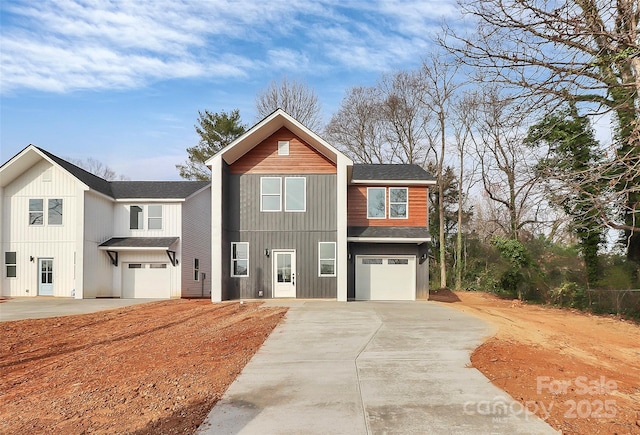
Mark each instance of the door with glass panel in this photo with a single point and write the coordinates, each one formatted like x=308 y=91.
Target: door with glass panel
x=284 y=273
x=45 y=277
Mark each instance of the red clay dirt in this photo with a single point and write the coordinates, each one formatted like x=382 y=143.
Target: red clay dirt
x=145 y=369
x=579 y=372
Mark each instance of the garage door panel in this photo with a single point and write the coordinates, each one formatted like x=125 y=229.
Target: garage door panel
x=146 y=280
x=381 y=278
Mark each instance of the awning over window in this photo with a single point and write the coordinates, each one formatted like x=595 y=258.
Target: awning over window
x=119 y=244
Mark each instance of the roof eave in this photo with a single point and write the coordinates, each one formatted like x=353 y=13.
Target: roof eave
x=396 y=182
x=416 y=240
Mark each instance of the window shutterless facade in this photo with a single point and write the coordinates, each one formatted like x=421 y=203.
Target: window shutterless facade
x=270 y=194
x=239 y=259
x=196 y=269
x=136 y=221
x=295 y=192
x=54 y=215
x=398 y=203
x=283 y=147
x=376 y=202
x=327 y=259
x=36 y=212
x=10 y=263
x=154 y=217
x=37 y=215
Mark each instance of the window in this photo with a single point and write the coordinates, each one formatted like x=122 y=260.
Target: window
x=196 y=269
x=10 y=263
x=283 y=147
x=372 y=261
x=54 y=216
x=239 y=259
x=397 y=261
x=158 y=266
x=135 y=217
x=36 y=212
x=295 y=190
x=327 y=258
x=376 y=202
x=155 y=217
x=135 y=266
x=398 y=202
x=270 y=192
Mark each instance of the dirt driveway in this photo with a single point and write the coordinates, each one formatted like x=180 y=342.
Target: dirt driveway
x=578 y=371
x=152 y=368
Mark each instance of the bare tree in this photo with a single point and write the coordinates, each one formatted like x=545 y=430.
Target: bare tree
x=294 y=97
x=506 y=165
x=357 y=127
x=98 y=168
x=579 y=51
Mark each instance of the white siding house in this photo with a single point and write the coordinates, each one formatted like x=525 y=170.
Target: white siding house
x=65 y=232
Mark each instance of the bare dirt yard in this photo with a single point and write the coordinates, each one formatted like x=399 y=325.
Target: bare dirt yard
x=145 y=369
x=579 y=372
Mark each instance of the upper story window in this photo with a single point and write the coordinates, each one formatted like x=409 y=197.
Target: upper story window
x=10 y=263
x=398 y=202
x=136 y=221
x=36 y=212
x=239 y=259
x=54 y=211
x=54 y=215
x=154 y=217
x=283 y=147
x=376 y=202
x=270 y=194
x=295 y=194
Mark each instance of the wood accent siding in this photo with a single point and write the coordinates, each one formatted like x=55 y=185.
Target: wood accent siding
x=357 y=208
x=264 y=158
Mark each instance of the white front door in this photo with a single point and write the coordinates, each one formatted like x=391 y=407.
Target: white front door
x=284 y=274
x=45 y=277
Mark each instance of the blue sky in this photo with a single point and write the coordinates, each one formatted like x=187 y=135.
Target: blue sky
x=122 y=82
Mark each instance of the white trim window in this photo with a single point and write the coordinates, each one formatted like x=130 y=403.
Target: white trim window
x=10 y=263
x=327 y=259
x=270 y=194
x=398 y=203
x=283 y=147
x=376 y=202
x=36 y=212
x=196 y=269
x=295 y=194
x=239 y=259
x=154 y=217
x=54 y=214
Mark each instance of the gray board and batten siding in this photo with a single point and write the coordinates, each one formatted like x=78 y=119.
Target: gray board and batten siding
x=244 y=222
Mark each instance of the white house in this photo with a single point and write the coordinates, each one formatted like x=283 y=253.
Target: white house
x=65 y=232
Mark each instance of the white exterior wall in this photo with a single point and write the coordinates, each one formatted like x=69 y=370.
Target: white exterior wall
x=171 y=227
x=46 y=241
x=196 y=242
x=98 y=227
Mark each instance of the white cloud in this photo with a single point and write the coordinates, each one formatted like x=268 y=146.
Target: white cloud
x=98 y=44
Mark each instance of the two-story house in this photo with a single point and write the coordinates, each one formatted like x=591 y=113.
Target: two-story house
x=66 y=232
x=293 y=217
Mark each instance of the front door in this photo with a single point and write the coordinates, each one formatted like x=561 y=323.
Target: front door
x=45 y=278
x=284 y=274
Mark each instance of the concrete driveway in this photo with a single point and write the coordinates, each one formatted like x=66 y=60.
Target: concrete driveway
x=41 y=307
x=369 y=368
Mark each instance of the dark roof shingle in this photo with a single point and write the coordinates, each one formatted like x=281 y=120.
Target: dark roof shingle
x=363 y=172
x=389 y=232
x=139 y=242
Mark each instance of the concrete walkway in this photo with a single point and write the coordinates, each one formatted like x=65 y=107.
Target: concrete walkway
x=41 y=307
x=369 y=368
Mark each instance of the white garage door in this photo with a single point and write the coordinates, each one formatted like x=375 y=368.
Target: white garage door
x=385 y=278
x=146 y=280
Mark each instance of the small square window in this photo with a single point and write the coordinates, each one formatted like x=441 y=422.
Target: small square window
x=283 y=147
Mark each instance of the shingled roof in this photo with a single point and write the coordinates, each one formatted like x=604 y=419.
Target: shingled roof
x=365 y=172
x=130 y=189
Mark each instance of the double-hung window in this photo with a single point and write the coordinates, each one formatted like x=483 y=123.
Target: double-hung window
x=36 y=212
x=154 y=217
x=327 y=258
x=240 y=259
x=270 y=194
x=295 y=194
x=376 y=202
x=10 y=263
x=398 y=202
